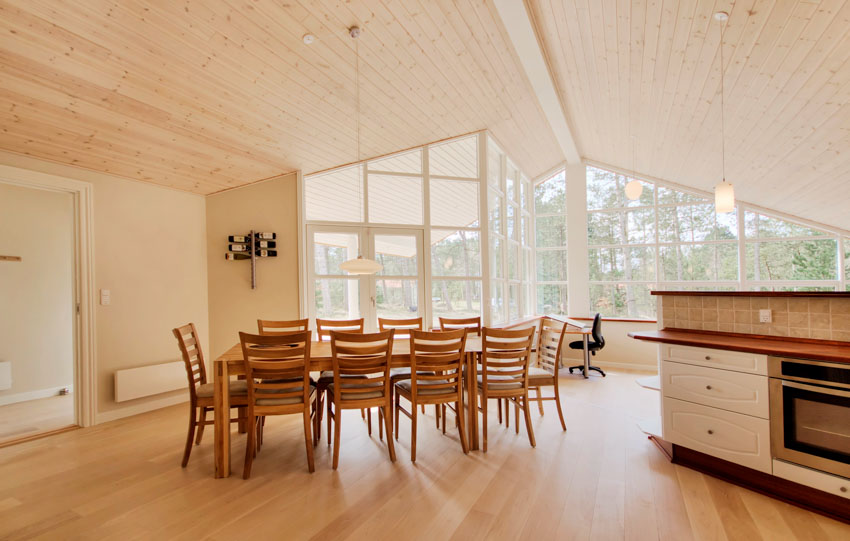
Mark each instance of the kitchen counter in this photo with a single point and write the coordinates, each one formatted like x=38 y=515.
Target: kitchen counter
x=821 y=350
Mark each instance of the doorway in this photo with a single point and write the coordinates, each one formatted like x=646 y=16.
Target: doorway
x=38 y=323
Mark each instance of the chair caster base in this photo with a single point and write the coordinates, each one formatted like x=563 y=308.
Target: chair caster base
x=581 y=368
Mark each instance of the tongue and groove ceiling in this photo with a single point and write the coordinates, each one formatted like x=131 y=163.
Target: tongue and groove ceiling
x=207 y=95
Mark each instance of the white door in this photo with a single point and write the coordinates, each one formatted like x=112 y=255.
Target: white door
x=394 y=292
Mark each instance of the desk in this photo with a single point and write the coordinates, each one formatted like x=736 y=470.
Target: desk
x=577 y=327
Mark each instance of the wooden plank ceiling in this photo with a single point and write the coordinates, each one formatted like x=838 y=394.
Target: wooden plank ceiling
x=650 y=68
x=203 y=95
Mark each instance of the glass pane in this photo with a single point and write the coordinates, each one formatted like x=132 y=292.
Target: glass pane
x=550 y=196
x=847 y=261
x=669 y=195
x=695 y=223
x=455 y=298
x=552 y=299
x=397 y=253
x=523 y=234
x=454 y=203
x=511 y=181
x=395 y=200
x=494 y=208
x=526 y=265
x=494 y=167
x=331 y=249
x=551 y=232
x=336 y=196
x=761 y=226
x=621 y=227
x=513 y=261
x=457 y=158
x=607 y=190
x=524 y=193
x=511 y=222
x=702 y=262
x=792 y=260
x=513 y=302
x=551 y=265
x=623 y=300
x=408 y=162
x=496 y=258
x=337 y=298
x=396 y=298
x=455 y=253
x=497 y=302
x=612 y=264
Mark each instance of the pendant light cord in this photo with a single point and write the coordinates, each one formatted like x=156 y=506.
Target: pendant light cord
x=357 y=85
x=722 y=105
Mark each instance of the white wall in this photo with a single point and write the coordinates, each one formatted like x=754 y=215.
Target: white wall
x=150 y=251
x=36 y=294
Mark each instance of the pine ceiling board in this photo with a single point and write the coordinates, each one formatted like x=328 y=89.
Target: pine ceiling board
x=203 y=95
x=787 y=79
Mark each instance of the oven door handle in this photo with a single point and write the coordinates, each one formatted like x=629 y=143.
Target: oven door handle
x=815 y=388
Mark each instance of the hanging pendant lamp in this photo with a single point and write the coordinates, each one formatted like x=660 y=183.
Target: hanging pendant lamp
x=634 y=187
x=359 y=265
x=724 y=192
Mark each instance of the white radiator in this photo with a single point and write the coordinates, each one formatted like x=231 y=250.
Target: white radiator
x=144 y=381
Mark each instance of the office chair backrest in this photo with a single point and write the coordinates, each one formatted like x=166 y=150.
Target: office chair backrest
x=596 y=330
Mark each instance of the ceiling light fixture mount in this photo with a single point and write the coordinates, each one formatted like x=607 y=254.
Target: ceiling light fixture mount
x=724 y=192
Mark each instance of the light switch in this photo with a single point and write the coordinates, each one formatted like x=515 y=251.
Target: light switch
x=765 y=316
x=105 y=297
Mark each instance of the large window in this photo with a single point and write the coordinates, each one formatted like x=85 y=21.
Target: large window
x=550 y=241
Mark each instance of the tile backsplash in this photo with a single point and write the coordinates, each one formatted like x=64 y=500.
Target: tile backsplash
x=799 y=317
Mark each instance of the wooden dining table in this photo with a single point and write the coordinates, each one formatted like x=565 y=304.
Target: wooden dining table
x=232 y=363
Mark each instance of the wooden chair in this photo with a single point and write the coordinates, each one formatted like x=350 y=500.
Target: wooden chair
x=267 y=327
x=403 y=328
x=545 y=373
x=436 y=377
x=200 y=391
x=278 y=377
x=469 y=323
x=323 y=330
x=361 y=380
x=503 y=373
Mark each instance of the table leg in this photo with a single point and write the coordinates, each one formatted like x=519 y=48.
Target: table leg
x=221 y=400
x=585 y=342
x=472 y=399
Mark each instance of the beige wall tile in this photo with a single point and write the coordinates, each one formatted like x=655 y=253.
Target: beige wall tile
x=762 y=328
x=726 y=327
x=778 y=304
x=840 y=322
x=709 y=315
x=709 y=303
x=743 y=328
x=681 y=314
x=798 y=305
x=725 y=316
x=741 y=303
x=821 y=334
x=839 y=306
x=819 y=321
x=680 y=301
x=778 y=330
x=710 y=326
x=695 y=325
x=798 y=319
x=780 y=318
x=743 y=317
x=695 y=314
x=759 y=303
x=844 y=336
x=725 y=303
x=667 y=302
x=694 y=302
x=820 y=306
x=798 y=332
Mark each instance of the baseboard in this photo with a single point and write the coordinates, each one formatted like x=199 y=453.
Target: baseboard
x=628 y=366
x=149 y=405
x=33 y=395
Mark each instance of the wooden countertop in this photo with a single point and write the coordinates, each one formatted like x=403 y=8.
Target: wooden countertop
x=803 y=348
x=828 y=294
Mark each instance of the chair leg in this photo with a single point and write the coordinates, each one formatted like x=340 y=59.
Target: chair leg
x=388 y=424
x=516 y=415
x=413 y=416
x=499 y=404
x=200 y=431
x=319 y=403
x=539 y=400
x=337 y=423
x=558 y=404
x=461 y=429
x=193 y=412
x=380 y=425
x=483 y=423
x=527 y=421
x=396 y=413
x=328 y=402
x=369 y=419
x=308 y=439
x=507 y=412
x=250 y=448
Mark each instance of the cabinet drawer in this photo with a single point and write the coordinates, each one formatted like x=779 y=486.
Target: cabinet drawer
x=731 y=436
x=752 y=363
x=732 y=391
x=812 y=478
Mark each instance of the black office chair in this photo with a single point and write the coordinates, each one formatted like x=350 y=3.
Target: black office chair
x=597 y=344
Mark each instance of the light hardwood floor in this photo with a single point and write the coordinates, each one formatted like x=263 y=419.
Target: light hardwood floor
x=24 y=419
x=600 y=480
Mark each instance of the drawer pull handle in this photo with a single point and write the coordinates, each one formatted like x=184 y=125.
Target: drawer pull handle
x=708 y=387
x=710 y=432
x=708 y=357
x=843 y=489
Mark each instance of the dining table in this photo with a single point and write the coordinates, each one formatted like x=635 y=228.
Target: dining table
x=231 y=363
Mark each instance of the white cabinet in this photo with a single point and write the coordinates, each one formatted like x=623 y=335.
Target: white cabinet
x=731 y=391
x=735 y=437
x=752 y=363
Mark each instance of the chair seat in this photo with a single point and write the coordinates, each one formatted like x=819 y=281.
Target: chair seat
x=578 y=344
x=280 y=401
x=404 y=373
x=537 y=374
x=377 y=393
x=423 y=387
x=327 y=377
x=237 y=387
x=500 y=383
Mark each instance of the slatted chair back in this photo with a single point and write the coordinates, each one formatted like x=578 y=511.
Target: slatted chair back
x=471 y=324
x=505 y=359
x=436 y=361
x=324 y=327
x=403 y=327
x=361 y=366
x=549 y=343
x=193 y=357
x=277 y=369
x=268 y=327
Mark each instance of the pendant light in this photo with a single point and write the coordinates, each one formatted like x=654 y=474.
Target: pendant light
x=634 y=187
x=359 y=265
x=724 y=192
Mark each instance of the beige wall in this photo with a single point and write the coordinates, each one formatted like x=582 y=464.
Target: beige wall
x=234 y=306
x=620 y=351
x=150 y=251
x=36 y=294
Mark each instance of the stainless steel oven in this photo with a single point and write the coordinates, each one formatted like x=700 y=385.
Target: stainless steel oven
x=810 y=413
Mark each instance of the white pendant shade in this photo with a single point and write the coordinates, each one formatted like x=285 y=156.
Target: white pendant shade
x=724 y=198
x=361 y=266
x=633 y=189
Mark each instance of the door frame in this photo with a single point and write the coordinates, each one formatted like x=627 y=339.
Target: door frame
x=85 y=380
x=423 y=310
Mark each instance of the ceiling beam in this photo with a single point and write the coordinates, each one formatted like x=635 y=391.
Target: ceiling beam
x=518 y=24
